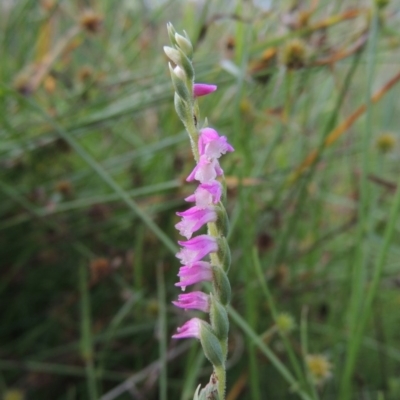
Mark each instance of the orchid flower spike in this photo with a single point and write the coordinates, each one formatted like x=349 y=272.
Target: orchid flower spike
x=207 y=147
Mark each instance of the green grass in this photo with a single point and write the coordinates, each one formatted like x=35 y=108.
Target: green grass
x=92 y=166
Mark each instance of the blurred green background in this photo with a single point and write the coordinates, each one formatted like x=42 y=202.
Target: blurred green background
x=92 y=166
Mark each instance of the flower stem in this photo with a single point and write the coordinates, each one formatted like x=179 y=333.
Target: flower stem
x=221 y=376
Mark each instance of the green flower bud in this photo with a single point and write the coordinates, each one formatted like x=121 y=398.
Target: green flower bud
x=179 y=86
x=187 y=66
x=171 y=33
x=180 y=73
x=219 y=318
x=211 y=346
x=184 y=45
x=182 y=109
x=179 y=58
x=173 y=54
x=221 y=285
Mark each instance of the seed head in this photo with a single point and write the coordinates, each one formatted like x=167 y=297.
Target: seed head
x=64 y=187
x=294 y=54
x=85 y=73
x=319 y=368
x=91 y=21
x=22 y=84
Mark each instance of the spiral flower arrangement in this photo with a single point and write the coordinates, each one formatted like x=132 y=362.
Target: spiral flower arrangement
x=206 y=257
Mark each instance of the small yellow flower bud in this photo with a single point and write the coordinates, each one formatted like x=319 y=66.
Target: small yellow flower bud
x=171 y=33
x=386 y=142
x=285 y=323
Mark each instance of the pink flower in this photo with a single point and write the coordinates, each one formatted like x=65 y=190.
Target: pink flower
x=194 y=300
x=193 y=219
x=202 y=89
x=205 y=171
x=196 y=248
x=198 y=272
x=191 y=329
x=206 y=194
x=213 y=145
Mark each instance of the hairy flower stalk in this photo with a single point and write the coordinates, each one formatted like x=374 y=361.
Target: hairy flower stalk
x=206 y=257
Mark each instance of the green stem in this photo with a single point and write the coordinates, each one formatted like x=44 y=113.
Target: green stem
x=224 y=346
x=86 y=335
x=364 y=215
x=221 y=376
x=304 y=348
x=192 y=130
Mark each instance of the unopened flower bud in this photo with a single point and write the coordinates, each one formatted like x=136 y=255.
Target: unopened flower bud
x=203 y=89
x=179 y=72
x=171 y=32
x=184 y=44
x=181 y=108
x=187 y=66
x=180 y=59
x=173 y=54
x=179 y=86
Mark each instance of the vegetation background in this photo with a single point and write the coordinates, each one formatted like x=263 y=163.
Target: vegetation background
x=92 y=166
